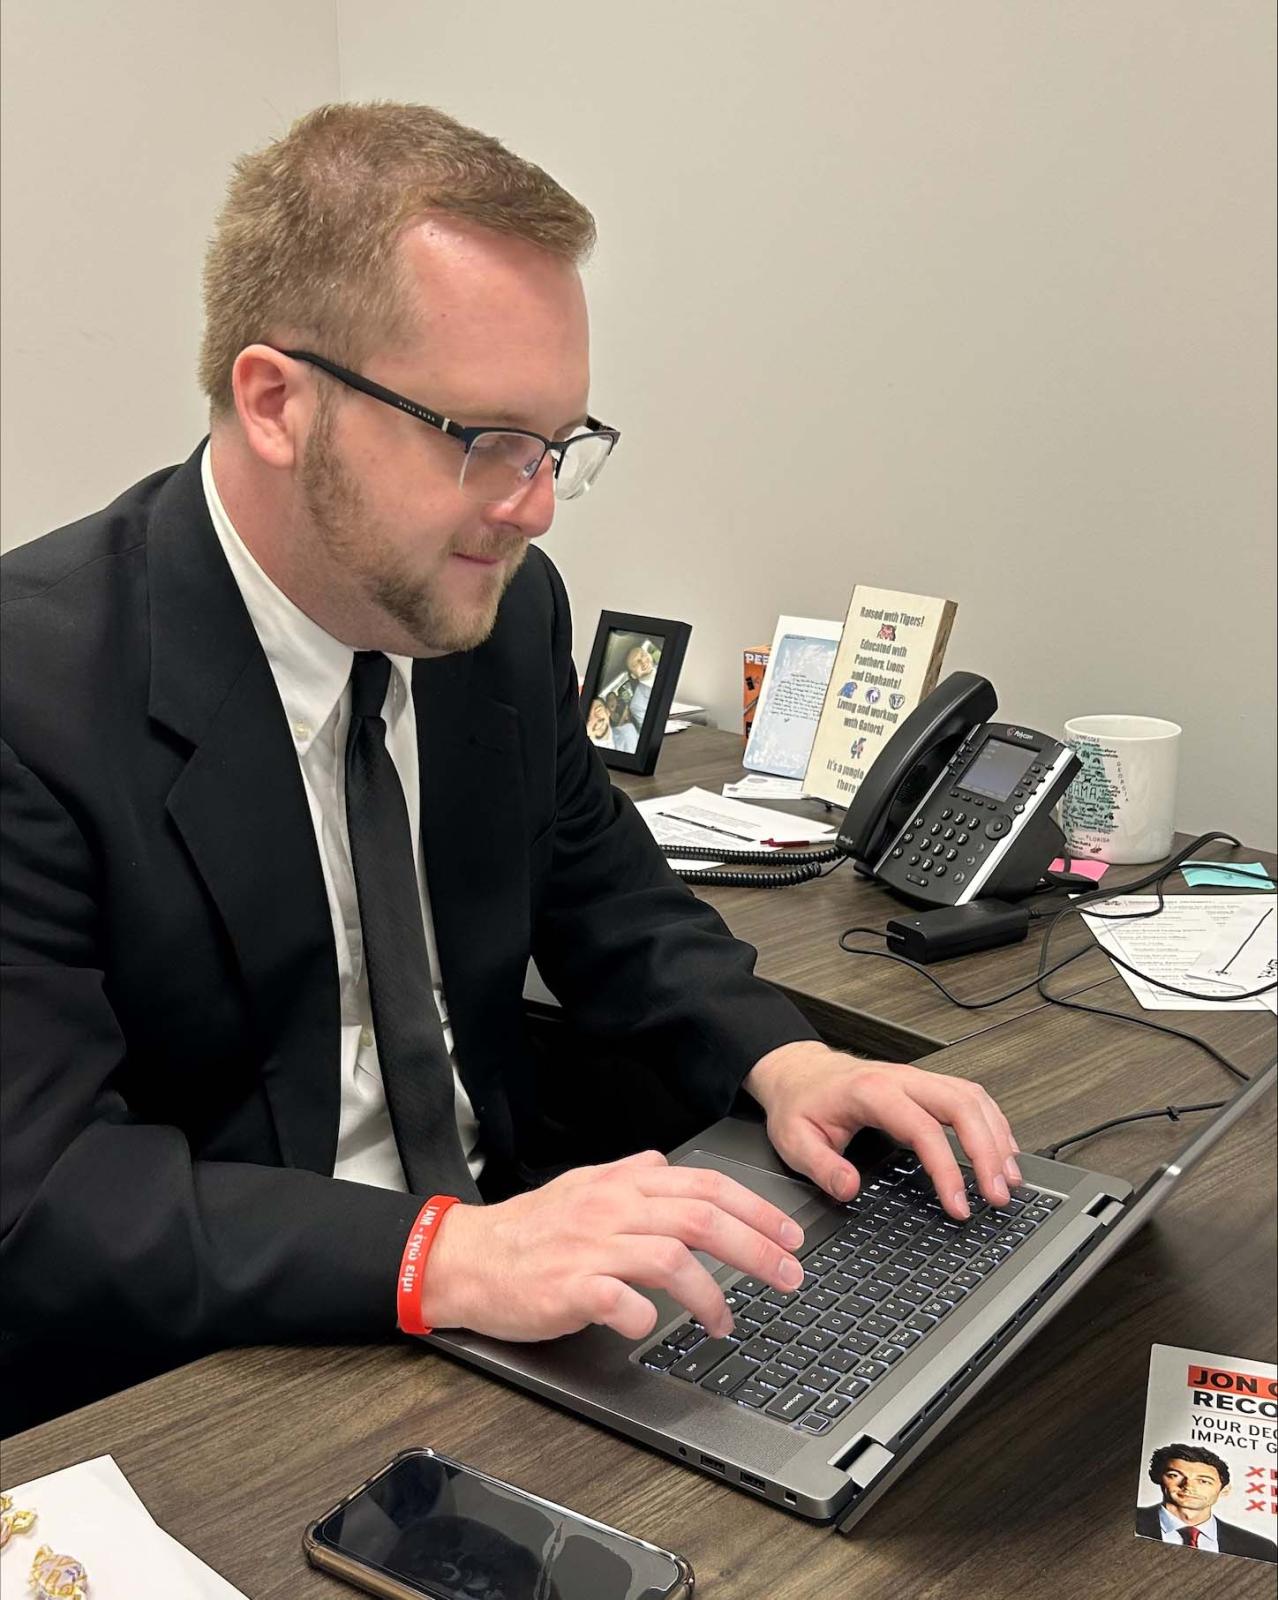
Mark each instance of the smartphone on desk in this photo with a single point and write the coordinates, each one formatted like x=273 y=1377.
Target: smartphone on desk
x=426 y=1527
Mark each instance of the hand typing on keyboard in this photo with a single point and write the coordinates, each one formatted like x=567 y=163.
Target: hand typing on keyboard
x=817 y=1098
x=881 y=1275
x=563 y=1256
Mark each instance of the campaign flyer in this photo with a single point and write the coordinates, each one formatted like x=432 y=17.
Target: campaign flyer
x=1209 y=1464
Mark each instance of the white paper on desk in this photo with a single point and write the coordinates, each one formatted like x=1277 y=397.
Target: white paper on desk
x=90 y=1511
x=709 y=822
x=675 y=725
x=1169 y=945
x=1245 y=953
x=760 y=786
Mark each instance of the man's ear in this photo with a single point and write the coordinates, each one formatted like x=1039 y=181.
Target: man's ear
x=274 y=401
x=1225 y=1488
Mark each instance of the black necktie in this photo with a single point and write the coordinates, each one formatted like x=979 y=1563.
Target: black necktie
x=416 y=1071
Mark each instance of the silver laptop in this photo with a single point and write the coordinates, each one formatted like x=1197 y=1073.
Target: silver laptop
x=822 y=1397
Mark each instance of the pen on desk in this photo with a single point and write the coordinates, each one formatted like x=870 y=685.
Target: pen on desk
x=782 y=844
x=727 y=832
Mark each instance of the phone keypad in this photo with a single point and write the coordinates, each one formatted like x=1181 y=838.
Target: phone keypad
x=949 y=839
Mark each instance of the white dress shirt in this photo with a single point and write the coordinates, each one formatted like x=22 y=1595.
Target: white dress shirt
x=312 y=673
x=1171 y=1527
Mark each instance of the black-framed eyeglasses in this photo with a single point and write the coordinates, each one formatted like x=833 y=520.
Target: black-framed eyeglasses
x=496 y=462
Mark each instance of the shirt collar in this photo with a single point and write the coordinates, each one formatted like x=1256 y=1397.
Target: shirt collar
x=311 y=668
x=1171 y=1524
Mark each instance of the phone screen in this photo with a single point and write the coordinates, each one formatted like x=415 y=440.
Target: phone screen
x=461 y=1536
x=997 y=769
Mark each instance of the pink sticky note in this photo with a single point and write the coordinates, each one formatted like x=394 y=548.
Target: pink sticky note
x=1084 y=869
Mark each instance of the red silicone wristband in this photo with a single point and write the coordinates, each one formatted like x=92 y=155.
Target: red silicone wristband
x=412 y=1265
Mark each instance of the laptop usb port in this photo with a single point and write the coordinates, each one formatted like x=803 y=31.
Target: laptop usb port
x=709 y=1461
x=751 y=1482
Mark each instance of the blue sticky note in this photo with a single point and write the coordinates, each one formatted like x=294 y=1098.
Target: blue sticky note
x=1228 y=875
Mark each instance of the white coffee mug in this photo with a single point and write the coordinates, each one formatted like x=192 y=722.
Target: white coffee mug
x=1120 y=808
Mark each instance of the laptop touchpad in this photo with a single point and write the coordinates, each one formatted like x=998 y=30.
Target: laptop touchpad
x=790 y=1195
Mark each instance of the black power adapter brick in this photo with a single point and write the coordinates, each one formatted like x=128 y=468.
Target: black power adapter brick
x=957 y=930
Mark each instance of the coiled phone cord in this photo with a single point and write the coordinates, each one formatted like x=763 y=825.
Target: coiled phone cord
x=800 y=866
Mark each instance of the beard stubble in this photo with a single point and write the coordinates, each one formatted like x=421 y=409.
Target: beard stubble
x=350 y=537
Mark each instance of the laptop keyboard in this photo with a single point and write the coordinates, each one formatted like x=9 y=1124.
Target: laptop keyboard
x=894 y=1267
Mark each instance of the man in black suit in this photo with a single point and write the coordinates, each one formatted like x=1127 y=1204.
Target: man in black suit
x=217 y=1049
x=1192 y=1480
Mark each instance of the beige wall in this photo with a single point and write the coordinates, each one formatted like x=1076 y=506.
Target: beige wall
x=974 y=300
x=968 y=299
x=119 y=125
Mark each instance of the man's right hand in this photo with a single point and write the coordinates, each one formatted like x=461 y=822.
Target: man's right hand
x=563 y=1256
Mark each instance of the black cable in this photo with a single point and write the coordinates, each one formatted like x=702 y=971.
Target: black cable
x=1159 y=983
x=785 y=878
x=1084 y=901
x=1157 y=878
x=1154 y=1027
x=1098 y=896
x=749 y=858
x=916 y=966
x=791 y=867
x=1092 y=897
x=730 y=878
x=1175 y=1113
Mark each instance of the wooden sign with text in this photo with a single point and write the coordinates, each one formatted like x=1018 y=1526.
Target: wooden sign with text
x=888 y=659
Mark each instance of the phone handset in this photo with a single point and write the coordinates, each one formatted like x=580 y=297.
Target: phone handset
x=908 y=764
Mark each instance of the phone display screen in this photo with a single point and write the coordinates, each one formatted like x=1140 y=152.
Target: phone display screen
x=458 y=1535
x=997 y=769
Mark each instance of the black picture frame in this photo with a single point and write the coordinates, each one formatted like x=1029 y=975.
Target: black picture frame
x=610 y=679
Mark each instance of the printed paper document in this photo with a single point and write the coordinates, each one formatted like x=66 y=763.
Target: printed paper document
x=1218 y=945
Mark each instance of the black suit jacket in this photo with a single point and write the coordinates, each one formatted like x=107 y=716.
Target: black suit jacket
x=1233 y=1541
x=170 y=993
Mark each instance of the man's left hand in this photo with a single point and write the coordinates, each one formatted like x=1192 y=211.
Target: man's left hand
x=817 y=1098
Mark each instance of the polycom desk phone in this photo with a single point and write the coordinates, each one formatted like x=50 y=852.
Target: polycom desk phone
x=957 y=806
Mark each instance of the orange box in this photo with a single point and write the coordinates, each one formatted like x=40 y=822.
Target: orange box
x=753 y=665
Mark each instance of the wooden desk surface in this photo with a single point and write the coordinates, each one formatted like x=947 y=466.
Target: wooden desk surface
x=1030 y=1493
x=874 y=1007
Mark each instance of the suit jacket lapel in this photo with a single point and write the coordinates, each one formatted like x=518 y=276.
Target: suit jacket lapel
x=240 y=805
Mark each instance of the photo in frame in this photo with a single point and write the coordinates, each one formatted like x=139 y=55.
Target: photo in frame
x=629 y=685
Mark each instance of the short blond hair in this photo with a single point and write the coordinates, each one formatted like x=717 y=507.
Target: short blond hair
x=306 y=241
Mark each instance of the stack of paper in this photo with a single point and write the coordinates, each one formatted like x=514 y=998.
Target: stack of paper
x=707 y=821
x=90 y=1513
x=1215 y=946
x=683 y=714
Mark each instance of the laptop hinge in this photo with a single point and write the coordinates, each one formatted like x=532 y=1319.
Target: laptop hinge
x=1105 y=1208
x=863 y=1460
